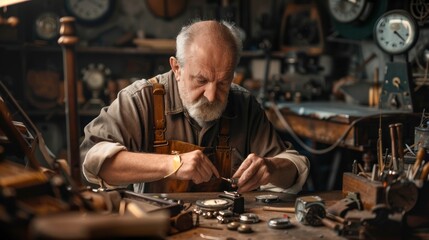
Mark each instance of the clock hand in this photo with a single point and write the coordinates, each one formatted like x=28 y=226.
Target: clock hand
x=399 y=35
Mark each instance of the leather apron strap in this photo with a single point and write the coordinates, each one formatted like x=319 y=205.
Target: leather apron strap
x=158 y=112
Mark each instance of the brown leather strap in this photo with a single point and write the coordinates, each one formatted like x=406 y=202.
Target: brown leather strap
x=223 y=137
x=158 y=112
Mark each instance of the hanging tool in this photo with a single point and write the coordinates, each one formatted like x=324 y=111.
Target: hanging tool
x=418 y=163
x=393 y=146
x=400 y=146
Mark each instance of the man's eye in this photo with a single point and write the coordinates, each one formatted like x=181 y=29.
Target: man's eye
x=201 y=81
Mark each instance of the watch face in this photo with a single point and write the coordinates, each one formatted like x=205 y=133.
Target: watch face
x=395 y=32
x=47 y=26
x=215 y=204
x=346 y=11
x=95 y=79
x=89 y=11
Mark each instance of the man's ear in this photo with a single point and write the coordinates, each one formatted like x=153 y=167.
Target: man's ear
x=174 y=64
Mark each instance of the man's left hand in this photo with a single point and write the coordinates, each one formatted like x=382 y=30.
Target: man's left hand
x=253 y=172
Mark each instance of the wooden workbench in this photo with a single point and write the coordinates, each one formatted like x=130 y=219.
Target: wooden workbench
x=327 y=122
x=261 y=229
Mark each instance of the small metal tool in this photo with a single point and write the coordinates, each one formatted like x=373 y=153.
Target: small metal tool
x=233 y=181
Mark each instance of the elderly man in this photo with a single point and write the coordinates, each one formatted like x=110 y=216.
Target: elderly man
x=185 y=129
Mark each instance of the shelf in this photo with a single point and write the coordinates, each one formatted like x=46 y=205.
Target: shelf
x=60 y=112
x=31 y=47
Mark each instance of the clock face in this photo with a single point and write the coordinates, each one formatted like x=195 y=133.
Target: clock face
x=299 y=211
x=95 y=76
x=309 y=209
x=89 y=11
x=214 y=204
x=347 y=11
x=47 y=26
x=395 y=32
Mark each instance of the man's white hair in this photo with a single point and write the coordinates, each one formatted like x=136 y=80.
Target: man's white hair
x=187 y=35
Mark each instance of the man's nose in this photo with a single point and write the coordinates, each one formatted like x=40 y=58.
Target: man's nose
x=210 y=92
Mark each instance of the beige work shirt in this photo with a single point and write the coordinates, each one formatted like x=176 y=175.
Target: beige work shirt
x=127 y=124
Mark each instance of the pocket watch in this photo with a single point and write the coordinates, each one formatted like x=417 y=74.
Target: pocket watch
x=347 y=11
x=214 y=204
x=267 y=198
x=396 y=32
x=309 y=210
x=90 y=11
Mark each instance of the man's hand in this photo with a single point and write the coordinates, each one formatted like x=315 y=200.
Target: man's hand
x=253 y=172
x=196 y=167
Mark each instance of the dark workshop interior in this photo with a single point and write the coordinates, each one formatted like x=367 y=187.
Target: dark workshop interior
x=345 y=82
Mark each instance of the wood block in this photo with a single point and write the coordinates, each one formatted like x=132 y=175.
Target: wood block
x=371 y=192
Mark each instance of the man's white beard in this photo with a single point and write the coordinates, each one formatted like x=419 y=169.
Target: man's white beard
x=202 y=111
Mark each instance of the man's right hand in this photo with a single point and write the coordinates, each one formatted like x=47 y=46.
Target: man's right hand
x=196 y=166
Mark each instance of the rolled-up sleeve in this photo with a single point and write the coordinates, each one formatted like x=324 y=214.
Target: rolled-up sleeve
x=303 y=167
x=95 y=158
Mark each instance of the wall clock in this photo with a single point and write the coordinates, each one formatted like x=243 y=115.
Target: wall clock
x=90 y=11
x=347 y=11
x=396 y=32
x=354 y=19
x=95 y=76
x=47 y=26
